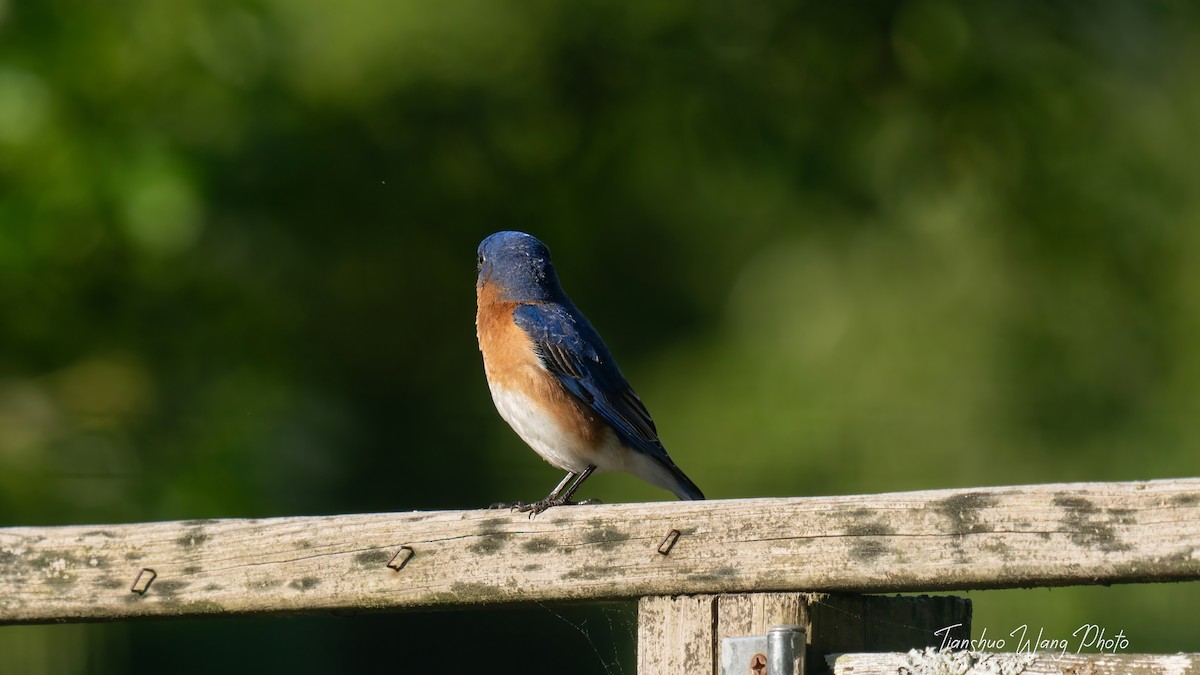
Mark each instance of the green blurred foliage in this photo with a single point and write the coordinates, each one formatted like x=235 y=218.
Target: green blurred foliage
x=838 y=248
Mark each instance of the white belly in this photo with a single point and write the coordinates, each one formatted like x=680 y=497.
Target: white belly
x=556 y=444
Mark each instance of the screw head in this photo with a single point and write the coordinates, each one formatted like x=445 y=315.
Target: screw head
x=758 y=664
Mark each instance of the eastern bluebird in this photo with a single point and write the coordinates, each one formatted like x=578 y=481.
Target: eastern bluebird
x=553 y=380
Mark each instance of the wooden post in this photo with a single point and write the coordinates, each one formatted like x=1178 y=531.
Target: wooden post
x=677 y=635
x=681 y=635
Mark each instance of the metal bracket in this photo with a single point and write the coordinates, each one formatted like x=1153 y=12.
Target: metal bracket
x=779 y=652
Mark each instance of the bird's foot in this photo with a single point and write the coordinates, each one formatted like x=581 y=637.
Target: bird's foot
x=539 y=506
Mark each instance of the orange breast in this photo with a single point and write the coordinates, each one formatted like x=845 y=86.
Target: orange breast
x=511 y=363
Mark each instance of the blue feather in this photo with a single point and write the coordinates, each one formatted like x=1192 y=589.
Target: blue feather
x=571 y=349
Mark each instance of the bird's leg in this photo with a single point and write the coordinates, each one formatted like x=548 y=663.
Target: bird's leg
x=525 y=506
x=566 y=498
x=575 y=486
x=562 y=484
x=558 y=497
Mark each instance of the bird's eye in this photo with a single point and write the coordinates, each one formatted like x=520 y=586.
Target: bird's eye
x=479 y=263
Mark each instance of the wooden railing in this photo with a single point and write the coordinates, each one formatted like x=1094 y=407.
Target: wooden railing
x=1040 y=535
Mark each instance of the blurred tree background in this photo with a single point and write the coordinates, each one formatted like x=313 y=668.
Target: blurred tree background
x=837 y=247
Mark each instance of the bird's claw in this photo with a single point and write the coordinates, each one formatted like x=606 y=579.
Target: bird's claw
x=538 y=507
x=543 y=505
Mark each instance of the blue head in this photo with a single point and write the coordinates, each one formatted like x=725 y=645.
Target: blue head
x=518 y=266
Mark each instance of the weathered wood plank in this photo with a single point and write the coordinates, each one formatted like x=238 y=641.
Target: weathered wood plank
x=742 y=614
x=917 y=541
x=677 y=635
x=1015 y=664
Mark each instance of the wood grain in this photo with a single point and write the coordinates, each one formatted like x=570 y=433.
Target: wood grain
x=678 y=635
x=1042 y=535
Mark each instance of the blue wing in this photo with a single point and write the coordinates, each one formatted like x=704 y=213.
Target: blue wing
x=570 y=348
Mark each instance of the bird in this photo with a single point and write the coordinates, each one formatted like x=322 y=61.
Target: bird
x=554 y=381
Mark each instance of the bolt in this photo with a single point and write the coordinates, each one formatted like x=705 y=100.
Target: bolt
x=758 y=664
x=142 y=582
x=401 y=558
x=668 y=542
